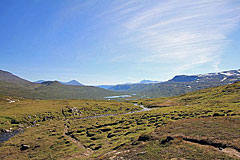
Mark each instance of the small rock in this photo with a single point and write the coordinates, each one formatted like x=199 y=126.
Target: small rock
x=24 y=147
x=168 y=139
x=140 y=153
x=20 y=125
x=144 y=138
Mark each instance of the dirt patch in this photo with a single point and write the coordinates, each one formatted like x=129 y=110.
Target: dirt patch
x=229 y=150
x=232 y=152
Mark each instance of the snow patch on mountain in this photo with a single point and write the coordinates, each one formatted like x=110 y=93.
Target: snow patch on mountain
x=224 y=79
x=227 y=73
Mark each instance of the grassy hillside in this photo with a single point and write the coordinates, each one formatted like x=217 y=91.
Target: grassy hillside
x=9 y=77
x=11 y=85
x=199 y=125
x=54 y=90
x=213 y=96
x=167 y=89
x=191 y=126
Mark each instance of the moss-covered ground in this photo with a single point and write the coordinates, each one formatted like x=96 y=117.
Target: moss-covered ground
x=56 y=130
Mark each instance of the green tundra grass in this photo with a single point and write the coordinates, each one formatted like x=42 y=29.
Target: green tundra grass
x=56 y=129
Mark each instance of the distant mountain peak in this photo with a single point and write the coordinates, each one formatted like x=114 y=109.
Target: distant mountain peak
x=48 y=83
x=145 y=81
x=72 y=82
x=39 y=81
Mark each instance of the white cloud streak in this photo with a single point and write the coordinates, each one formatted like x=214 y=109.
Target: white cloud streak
x=187 y=32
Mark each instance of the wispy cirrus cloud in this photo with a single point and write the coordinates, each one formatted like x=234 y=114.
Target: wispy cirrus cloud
x=187 y=32
x=154 y=38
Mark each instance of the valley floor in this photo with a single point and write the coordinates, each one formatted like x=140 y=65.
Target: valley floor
x=199 y=125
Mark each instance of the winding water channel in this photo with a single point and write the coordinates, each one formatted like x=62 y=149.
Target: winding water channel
x=117 y=114
x=5 y=136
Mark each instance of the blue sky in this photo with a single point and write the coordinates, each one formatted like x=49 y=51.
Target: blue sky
x=109 y=42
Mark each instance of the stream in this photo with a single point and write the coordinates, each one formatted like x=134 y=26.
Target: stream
x=5 y=136
x=117 y=114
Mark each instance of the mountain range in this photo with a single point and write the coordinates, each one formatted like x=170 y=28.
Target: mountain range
x=111 y=87
x=180 y=84
x=72 y=82
x=13 y=85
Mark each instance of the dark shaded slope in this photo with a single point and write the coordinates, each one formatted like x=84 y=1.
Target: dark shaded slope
x=54 y=90
x=9 y=77
x=11 y=85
